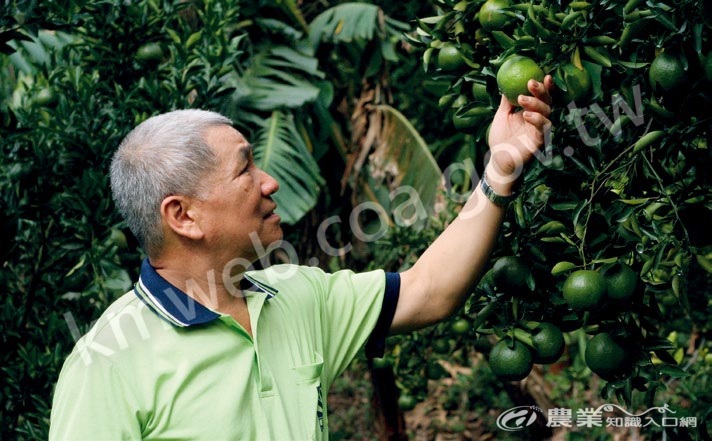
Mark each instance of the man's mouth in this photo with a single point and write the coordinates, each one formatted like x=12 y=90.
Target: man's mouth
x=269 y=214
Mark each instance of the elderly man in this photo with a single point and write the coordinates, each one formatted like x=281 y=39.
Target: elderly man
x=205 y=347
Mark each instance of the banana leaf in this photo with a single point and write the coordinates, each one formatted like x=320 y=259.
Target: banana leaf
x=280 y=150
x=401 y=160
x=278 y=76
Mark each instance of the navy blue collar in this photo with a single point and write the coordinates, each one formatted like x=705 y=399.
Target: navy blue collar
x=177 y=307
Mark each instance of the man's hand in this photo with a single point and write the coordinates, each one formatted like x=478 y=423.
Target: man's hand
x=516 y=134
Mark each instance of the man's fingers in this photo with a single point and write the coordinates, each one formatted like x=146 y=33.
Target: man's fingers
x=541 y=98
x=542 y=90
x=536 y=119
x=534 y=104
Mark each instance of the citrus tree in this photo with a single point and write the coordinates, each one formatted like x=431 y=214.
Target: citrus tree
x=605 y=248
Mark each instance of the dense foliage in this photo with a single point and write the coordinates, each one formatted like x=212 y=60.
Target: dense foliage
x=607 y=238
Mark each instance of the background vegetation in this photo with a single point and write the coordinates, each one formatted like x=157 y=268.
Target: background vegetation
x=338 y=90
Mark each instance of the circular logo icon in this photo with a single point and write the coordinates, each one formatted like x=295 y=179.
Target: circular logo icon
x=517 y=418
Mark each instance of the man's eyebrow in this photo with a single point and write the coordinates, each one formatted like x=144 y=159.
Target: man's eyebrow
x=245 y=151
x=243 y=154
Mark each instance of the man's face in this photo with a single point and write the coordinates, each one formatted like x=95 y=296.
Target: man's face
x=238 y=203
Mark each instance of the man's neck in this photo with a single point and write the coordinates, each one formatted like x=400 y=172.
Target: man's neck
x=207 y=284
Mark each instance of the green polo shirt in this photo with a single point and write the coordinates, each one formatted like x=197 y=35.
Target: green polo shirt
x=159 y=365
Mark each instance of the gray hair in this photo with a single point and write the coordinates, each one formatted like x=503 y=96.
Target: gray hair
x=165 y=155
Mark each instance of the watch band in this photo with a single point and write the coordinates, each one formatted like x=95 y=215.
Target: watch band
x=497 y=199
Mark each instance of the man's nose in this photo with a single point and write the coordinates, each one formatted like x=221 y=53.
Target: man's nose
x=269 y=184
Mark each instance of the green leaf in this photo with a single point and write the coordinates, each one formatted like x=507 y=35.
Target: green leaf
x=562 y=267
x=665 y=21
x=278 y=77
x=638 y=201
x=292 y=9
x=345 y=23
x=665 y=356
x=654 y=344
x=280 y=27
x=672 y=371
x=279 y=150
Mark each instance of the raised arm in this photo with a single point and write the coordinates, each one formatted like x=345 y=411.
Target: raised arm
x=437 y=285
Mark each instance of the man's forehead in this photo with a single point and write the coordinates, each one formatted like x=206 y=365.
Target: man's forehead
x=228 y=139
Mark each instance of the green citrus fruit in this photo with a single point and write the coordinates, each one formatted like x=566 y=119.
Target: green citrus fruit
x=460 y=326
x=514 y=74
x=548 y=342
x=620 y=281
x=578 y=84
x=441 y=346
x=492 y=15
x=45 y=97
x=511 y=274
x=406 y=402
x=510 y=364
x=450 y=58
x=584 y=289
x=608 y=357
x=149 y=52
x=118 y=238
x=667 y=73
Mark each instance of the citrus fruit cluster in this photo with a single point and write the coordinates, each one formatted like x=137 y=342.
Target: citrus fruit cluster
x=527 y=343
x=583 y=291
x=513 y=359
x=588 y=289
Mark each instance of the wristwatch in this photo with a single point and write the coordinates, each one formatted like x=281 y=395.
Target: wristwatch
x=497 y=199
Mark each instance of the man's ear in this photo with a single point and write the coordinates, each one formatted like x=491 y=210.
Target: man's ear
x=178 y=213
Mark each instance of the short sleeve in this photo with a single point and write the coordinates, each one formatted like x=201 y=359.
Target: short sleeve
x=91 y=402
x=376 y=344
